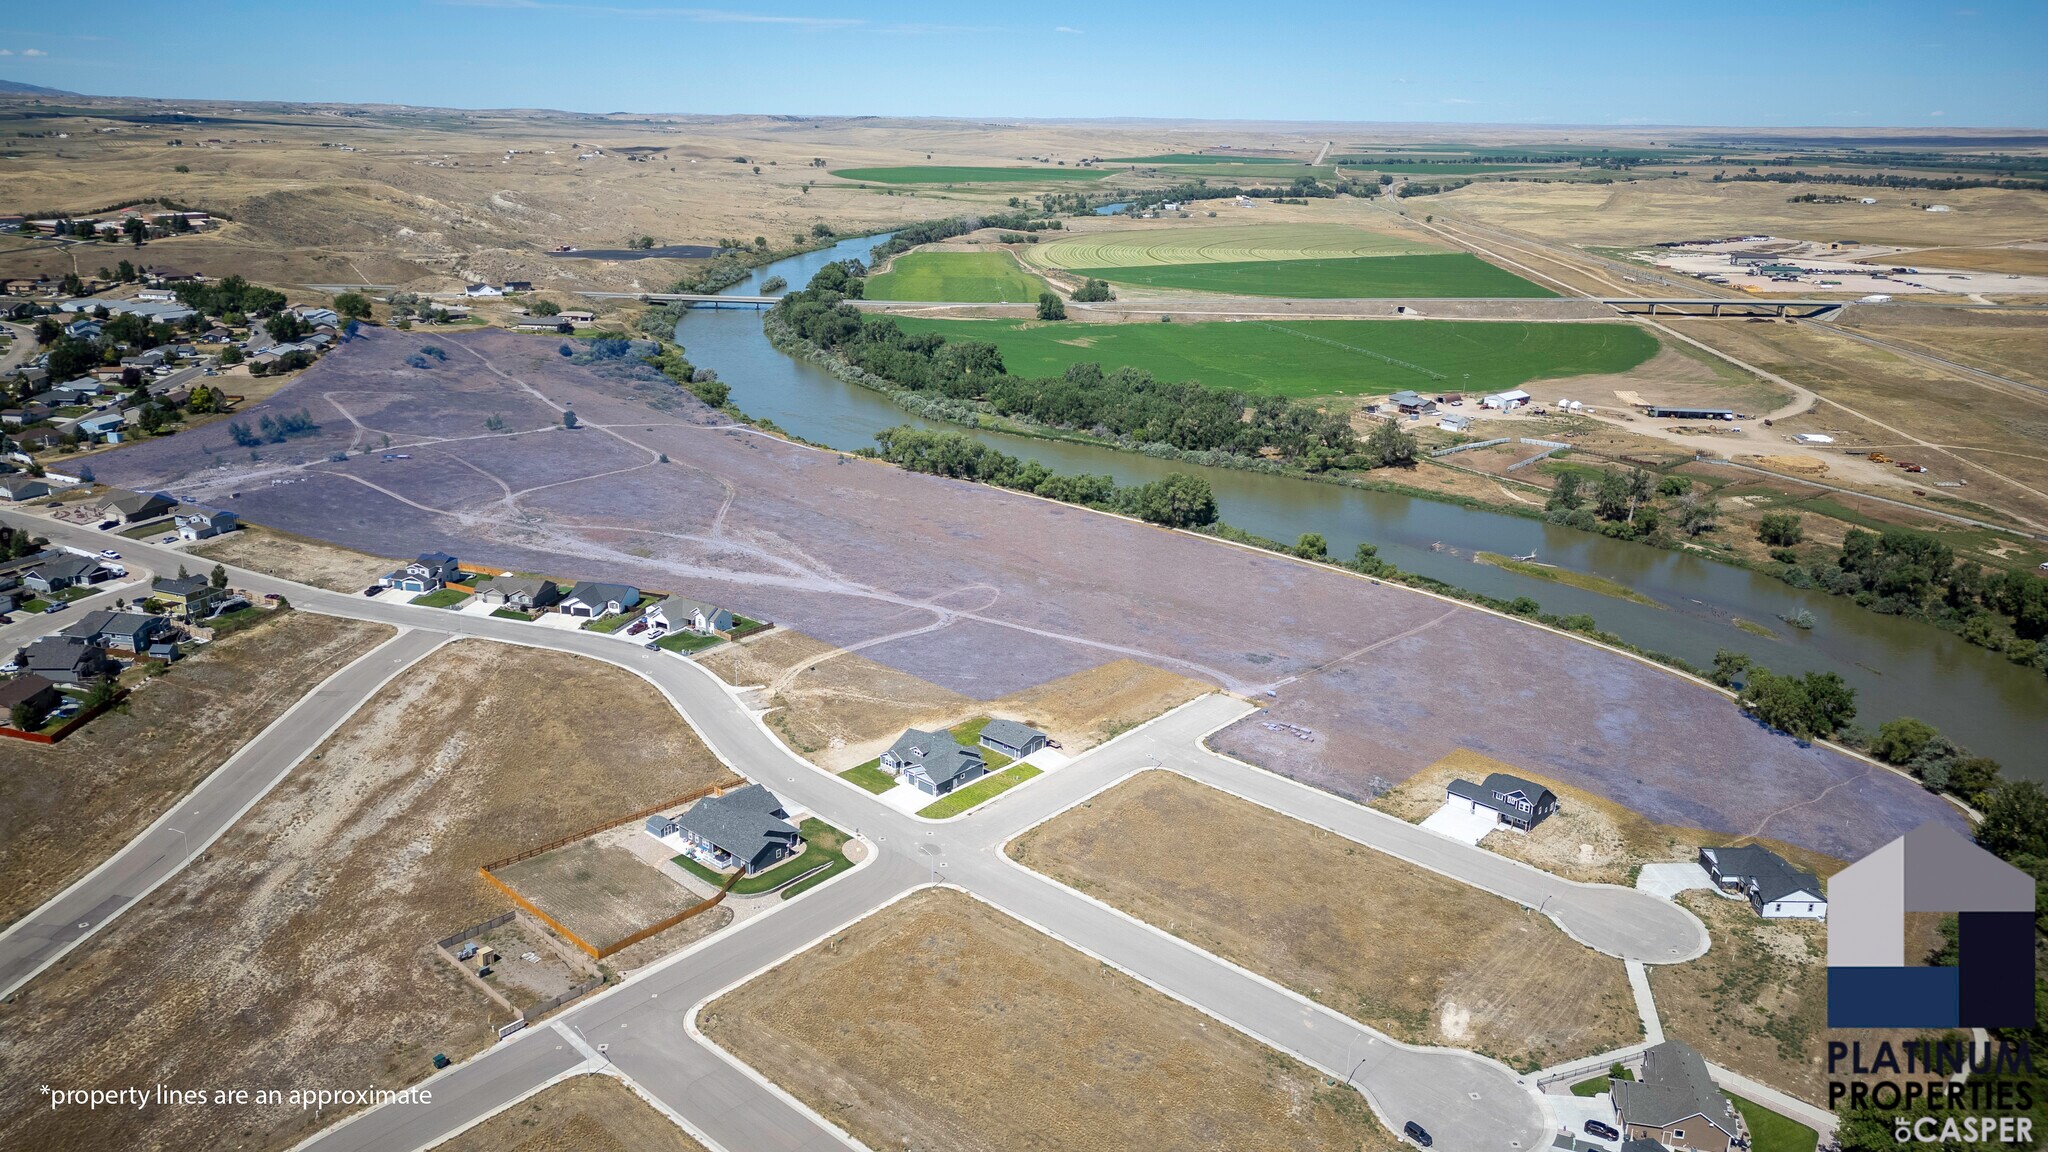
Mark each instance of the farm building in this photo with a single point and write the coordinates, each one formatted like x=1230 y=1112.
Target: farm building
x=1516 y=802
x=1814 y=438
x=1774 y=887
x=1407 y=403
x=1455 y=423
x=1506 y=401
x=1011 y=738
x=1688 y=413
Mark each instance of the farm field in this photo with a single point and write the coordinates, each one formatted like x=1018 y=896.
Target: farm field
x=128 y=765
x=294 y=950
x=1315 y=357
x=1056 y=1050
x=1447 y=274
x=942 y=174
x=991 y=277
x=1225 y=244
x=1203 y=158
x=1335 y=921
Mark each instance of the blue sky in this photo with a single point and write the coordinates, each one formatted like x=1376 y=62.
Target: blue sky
x=1735 y=63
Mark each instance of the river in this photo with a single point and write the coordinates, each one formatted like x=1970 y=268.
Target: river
x=1898 y=667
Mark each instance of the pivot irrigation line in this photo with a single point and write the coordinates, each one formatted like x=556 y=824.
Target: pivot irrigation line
x=1354 y=348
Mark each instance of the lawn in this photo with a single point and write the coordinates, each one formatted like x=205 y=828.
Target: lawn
x=151 y=530
x=743 y=627
x=941 y=174
x=688 y=642
x=614 y=622
x=442 y=598
x=1315 y=357
x=978 y=277
x=1443 y=274
x=511 y=614
x=1771 y=1132
x=869 y=776
x=954 y=803
x=826 y=845
x=1598 y=1084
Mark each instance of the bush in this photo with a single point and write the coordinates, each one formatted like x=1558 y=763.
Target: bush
x=1780 y=529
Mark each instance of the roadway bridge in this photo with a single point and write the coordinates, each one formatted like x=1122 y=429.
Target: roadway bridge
x=1719 y=306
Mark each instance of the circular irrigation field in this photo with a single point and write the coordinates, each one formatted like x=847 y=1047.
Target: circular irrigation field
x=1229 y=245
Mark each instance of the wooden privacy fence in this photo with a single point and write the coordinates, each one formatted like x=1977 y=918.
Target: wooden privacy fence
x=68 y=727
x=717 y=789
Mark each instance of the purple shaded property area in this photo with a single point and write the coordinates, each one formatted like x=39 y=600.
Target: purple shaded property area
x=982 y=591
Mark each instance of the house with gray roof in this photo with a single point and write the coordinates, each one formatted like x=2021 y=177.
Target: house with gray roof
x=198 y=522
x=933 y=762
x=592 y=599
x=127 y=507
x=695 y=615
x=118 y=631
x=523 y=592
x=1675 y=1103
x=1011 y=738
x=747 y=829
x=1773 y=886
x=28 y=688
x=430 y=571
x=1519 y=804
x=23 y=487
x=64 y=660
x=62 y=570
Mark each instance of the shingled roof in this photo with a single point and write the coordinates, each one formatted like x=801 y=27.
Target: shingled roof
x=1675 y=1087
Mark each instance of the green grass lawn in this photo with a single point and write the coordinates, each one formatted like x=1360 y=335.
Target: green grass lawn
x=688 y=642
x=442 y=598
x=511 y=614
x=1598 y=1084
x=151 y=530
x=616 y=621
x=826 y=845
x=941 y=174
x=35 y=604
x=979 y=277
x=1443 y=274
x=870 y=776
x=954 y=803
x=1771 y=1132
x=1315 y=357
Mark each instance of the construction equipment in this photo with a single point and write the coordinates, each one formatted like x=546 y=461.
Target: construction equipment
x=1879 y=458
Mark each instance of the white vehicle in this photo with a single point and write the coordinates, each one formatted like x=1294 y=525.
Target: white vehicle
x=110 y=554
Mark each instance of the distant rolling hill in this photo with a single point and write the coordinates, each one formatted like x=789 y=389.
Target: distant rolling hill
x=17 y=88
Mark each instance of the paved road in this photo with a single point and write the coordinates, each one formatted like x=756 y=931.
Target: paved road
x=1467 y=1102
x=29 y=626
x=39 y=940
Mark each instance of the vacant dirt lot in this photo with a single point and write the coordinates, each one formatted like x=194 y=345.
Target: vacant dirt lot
x=1418 y=956
x=600 y=891
x=297 y=558
x=126 y=767
x=1088 y=707
x=300 y=950
x=1757 y=1002
x=584 y=1114
x=1041 y=1047
x=1591 y=838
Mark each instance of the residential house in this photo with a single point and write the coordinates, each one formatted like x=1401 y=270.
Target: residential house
x=1011 y=738
x=933 y=762
x=318 y=316
x=63 y=660
x=17 y=488
x=119 y=631
x=1774 y=887
x=747 y=829
x=126 y=507
x=430 y=571
x=198 y=522
x=1518 y=803
x=83 y=329
x=575 y=316
x=36 y=438
x=1408 y=403
x=518 y=285
x=103 y=426
x=1675 y=1103
x=186 y=597
x=38 y=692
x=523 y=592
x=695 y=615
x=481 y=290
x=594 y=600
x=61 y=571
x=156 y=296
x=1455 y=423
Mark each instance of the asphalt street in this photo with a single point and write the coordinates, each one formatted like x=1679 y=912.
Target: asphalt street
x=1466 y=1101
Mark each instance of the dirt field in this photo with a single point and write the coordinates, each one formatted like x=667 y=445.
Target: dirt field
x=1053 y=1050
x=1339 y=923
x=583 y=1114
x=297 y=558
x=556 y=968
x=126 y=766
x=845 y=710
x=300 y=950
x=1590 y=838
x=1757 y=1002
x=599 y=891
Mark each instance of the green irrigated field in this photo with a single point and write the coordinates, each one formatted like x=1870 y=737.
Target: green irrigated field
x=977 y=277
x=1412 y=168
x=930 y=174
x=1442 y=274
x=1235 y=244
x=1316 y=357
x=1203 y=158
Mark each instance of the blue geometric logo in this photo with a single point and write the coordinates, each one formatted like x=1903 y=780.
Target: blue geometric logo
x=1933 y=868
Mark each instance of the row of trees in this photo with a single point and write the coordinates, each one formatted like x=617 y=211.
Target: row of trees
x=1179 y=500
x=1622 y=503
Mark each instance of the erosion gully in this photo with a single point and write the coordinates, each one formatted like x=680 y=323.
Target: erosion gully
x=1898 y=667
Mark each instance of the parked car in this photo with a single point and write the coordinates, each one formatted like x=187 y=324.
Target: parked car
x=1417 y=1133
x=271 y=596
x=652 y=645
x=1603 y=1130
x=10 y=666
x=110 y=554
x=168 y=540
x=106 y=524
x=55 y=606
x=372 y=590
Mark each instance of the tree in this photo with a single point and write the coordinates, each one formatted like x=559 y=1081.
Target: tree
x=1050 y=308
x=1566 y=495
x=100 y=694
x=1697 y=512
x=352 y=306
x=230 y=356
x=218 y=578
x=1094 y=291
x=1899 y=741
x=287 y=327
x=26 y=716
x=1816 y=705
x=545 y=308
x=1389 y=446
x=1312 y=546
x=568 y=419
x=1780 y=529
x=2015 y=820
x=1729 y=667
x=1177 y=501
